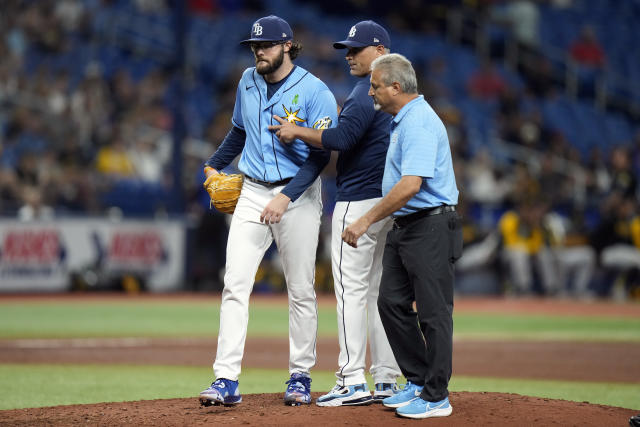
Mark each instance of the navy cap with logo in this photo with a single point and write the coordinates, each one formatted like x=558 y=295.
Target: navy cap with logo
x=269 y=29
x=365 y=33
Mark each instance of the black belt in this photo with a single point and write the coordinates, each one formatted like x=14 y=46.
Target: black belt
x=267 y=183
x=403 y=221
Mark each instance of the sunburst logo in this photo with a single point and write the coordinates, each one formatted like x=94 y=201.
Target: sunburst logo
x=292 y=116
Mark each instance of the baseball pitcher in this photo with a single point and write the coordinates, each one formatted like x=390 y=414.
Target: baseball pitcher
x=280 y=200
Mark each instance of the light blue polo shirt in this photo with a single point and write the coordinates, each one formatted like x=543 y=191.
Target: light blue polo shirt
x=419 y=146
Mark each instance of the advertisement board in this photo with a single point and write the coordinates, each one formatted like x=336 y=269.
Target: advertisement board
x=43 y=256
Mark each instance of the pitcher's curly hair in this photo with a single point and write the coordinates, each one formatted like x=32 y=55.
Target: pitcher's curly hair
x=295 y=50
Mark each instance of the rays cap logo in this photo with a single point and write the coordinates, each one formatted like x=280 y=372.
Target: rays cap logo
x=363 y=34
x=269 y=29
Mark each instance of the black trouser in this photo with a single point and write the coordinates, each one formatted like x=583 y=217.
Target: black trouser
x=418 y=266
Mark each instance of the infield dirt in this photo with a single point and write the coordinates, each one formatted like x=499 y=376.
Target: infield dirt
x=469 y=409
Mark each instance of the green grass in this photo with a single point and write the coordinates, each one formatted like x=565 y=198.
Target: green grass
x=201 y=319
x=129 y=319
x=538 y=327
x=28 y=386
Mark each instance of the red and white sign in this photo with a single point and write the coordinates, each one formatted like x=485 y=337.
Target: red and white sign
x=41 y=256
x=31 y=247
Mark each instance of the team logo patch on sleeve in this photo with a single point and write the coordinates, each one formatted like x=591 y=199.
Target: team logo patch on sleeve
x=323 y=123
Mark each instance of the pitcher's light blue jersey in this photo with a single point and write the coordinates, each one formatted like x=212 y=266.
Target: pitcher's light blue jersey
x=303 y=99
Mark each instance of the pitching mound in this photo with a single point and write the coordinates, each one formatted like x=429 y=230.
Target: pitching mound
x=469 y=409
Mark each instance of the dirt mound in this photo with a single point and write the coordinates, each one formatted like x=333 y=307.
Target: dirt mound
x=469 y=409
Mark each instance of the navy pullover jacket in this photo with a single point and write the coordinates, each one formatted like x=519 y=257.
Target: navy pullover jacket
x=362 y=138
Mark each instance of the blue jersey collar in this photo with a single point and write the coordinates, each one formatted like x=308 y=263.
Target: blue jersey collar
x=292 y=78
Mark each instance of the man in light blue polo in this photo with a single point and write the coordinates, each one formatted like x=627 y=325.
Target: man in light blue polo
x=420 y=193
x=280 y=200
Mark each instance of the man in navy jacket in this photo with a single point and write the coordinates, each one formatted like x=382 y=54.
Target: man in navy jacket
x=362 y=138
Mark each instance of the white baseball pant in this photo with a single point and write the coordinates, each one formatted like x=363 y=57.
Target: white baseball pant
x=356 y=278
x=296 y=237
x=620 y=256
x=520 y=265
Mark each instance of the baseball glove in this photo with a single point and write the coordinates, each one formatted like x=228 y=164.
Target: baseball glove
x=224 y=191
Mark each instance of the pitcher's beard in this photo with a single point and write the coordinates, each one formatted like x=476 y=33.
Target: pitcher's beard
x=264 y=67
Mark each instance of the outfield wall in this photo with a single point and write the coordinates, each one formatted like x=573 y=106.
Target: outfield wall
x=45 y=256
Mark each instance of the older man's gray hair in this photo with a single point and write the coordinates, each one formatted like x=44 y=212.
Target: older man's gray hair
x=396 y=68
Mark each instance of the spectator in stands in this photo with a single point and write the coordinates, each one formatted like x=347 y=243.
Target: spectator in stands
x=575 y=259
x=619 y=183
x=523 y=184
x=33 y=208
x=623 y=179
x=58 y=94
x=44 y=28
x=521 y=18
x=91 y=106
x=27 y=169
x=525 y=129
x=9 y=191
x=540 y=77
x=114 y=161
x=123 y=91
x=620 y=256
x=552 y=177
x=597 y=178
x=486 y=82
x=586 y=49
x=520 y=243
x=484 y=181
x=70 y=14
x=525 y=250
x=146 y=159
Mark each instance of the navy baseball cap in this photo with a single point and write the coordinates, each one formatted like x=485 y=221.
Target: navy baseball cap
x=269 y=29
x=365 y=33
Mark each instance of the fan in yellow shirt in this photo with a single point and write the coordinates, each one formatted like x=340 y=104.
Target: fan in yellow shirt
x=113 y=159
x=525 y=248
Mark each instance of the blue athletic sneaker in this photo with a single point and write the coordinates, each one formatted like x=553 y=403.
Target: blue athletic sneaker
x=419 y=408
x=348 y=395
x=221 y=392
x=384 y=390
x=403 y=397
x=298 y=390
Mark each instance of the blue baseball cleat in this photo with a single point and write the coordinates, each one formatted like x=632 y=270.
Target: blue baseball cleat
x=298 y=390
x=221 y=392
